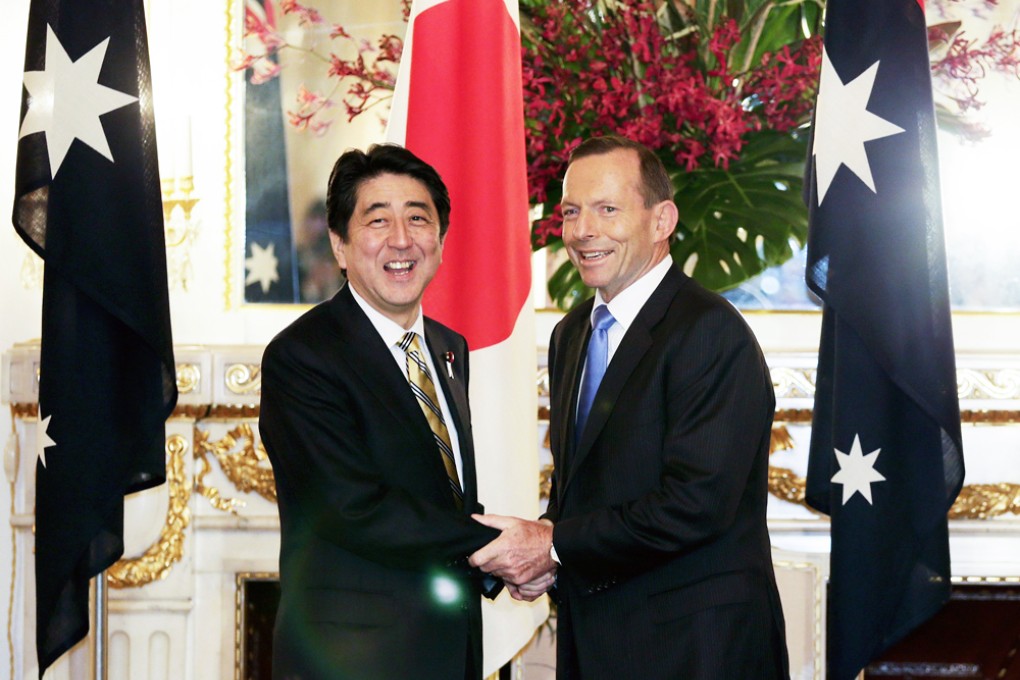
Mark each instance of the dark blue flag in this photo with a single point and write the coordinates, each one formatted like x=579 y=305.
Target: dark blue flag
x=87 y=200
x=886 y=459
x=271 y=272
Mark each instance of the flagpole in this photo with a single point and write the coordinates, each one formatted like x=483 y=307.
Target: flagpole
x=97 y=641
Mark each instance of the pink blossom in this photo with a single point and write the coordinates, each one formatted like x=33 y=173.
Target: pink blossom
x=263 y=71
x=242 y=60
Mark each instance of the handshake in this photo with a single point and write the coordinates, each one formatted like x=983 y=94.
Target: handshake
x=520 y=555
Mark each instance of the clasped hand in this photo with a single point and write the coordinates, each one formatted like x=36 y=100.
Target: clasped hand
x=519 y=555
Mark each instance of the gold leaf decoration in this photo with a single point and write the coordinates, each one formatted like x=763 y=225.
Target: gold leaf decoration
x=244 y=378
x=157 y=561
x=189 y=377
x=244 y=464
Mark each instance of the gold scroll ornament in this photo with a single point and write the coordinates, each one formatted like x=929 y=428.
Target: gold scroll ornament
x=246 y=467
x=168 y=549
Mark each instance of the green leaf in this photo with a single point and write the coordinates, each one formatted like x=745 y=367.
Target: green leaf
x=735 y=223
x=566 y=287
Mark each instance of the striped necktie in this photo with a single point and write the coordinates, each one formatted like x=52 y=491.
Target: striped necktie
x=425 y=391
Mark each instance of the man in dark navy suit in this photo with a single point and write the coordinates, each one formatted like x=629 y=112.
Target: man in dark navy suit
x=662 y=407
x=365 y=419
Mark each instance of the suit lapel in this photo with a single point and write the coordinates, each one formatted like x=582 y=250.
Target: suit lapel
x=453 y=386
x=367 y=356
x=455 y=390
x=633 y=348
x=571 y=362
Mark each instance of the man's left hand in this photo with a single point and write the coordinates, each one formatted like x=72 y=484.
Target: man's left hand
x=533 y=590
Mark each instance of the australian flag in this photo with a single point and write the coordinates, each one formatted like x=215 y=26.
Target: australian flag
x=87 y=200
x=271 y=271
x=886 y=459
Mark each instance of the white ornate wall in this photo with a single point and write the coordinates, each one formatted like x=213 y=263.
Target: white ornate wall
x=174 y=600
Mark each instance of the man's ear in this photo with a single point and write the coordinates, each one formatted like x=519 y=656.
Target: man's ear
x=666 y=217
x=337 y=245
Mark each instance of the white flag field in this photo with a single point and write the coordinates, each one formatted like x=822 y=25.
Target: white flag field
x=458 y=105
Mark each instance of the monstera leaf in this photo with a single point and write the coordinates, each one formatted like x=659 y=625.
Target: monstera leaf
x=736 y=222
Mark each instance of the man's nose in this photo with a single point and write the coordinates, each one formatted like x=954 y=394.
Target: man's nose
x=583 y=226
x=400 y=235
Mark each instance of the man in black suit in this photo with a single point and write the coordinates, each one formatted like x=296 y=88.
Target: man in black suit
x=656 y=528
x=375 y=498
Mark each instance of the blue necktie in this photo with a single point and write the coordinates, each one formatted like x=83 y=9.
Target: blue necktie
x=594 y=367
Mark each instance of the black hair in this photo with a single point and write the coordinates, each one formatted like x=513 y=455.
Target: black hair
x=355 y=167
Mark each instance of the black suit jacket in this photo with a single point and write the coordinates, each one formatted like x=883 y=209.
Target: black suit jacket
x=373 y=572
x=659 y=510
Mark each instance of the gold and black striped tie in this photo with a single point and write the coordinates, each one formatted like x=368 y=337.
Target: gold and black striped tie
x=425 y=390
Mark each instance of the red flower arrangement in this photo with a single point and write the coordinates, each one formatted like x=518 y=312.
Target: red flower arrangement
x=657 y=76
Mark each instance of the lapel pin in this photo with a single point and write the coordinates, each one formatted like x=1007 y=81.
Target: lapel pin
x=449 y=364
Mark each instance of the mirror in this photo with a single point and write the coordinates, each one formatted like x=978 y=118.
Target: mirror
x=289 y=123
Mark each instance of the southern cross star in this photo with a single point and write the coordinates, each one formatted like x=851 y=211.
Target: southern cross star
x=66 y=100
x=43 y=440
x=262 y=266
x=843 y=124
x=857 y=471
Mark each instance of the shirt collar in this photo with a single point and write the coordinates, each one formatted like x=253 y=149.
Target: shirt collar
x=629 y=301
x=389 y=330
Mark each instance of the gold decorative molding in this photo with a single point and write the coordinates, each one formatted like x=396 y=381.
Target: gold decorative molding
x=12 y=481
x=967 y=416
x=168 y=549
x=976 y=501
x=781 y=439
x=180 y=226
x=189 y=378
x=24 y=411
x=786 y=485
x=230 y=85
x=234 y=411
x=247 y=469
x=211 y=493
x=990 y=417
x=241 y=579
x=243 y=378
x=545 y=482
x=190 y=411
x=792 y=415
x=993 y=580
x=983 y=501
